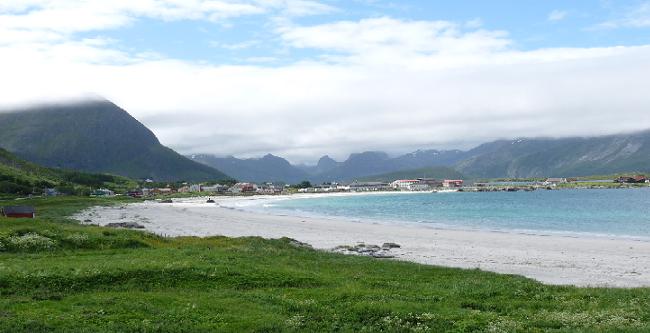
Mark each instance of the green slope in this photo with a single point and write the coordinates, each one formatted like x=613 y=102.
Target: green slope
x=19 y=177
x=431 y=172
x=95 y=136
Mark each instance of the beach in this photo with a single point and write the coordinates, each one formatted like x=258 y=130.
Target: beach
x=551 y=259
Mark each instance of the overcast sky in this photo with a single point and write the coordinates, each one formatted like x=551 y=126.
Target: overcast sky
x=302 y=78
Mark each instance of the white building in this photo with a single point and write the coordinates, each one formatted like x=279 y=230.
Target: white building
x=214 y=188
x=404 y=184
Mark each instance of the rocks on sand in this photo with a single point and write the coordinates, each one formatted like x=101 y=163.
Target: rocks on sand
x=370 y=250
x=126 y=225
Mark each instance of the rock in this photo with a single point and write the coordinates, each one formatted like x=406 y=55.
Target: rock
x=167 y=201
x=390 y=246
x=298 y=243
x=343 y=248
x=87 y=220
x=126 y=225
x=383 y=256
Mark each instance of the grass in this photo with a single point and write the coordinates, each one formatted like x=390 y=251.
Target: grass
x=96 y=279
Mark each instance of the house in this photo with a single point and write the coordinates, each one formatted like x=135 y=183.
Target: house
x=403 y=184
x=102 y=192
x=195 y=188
x=51 y=192
x=136 y=193
x=420 y=184
x=161 y=191
x=430 y=182
x=218 y=188
x=270 y=189
x=369 y=186
x=555 y=181
x=243 y=188
x=452 y=183
x=18 y=212
x=632 y=180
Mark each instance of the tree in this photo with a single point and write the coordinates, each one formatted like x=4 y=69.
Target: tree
x=304 y=184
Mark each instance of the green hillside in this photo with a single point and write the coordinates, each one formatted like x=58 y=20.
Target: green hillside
x=98 y=137
x=566 y=157
x=19 y=177
x=431 y=172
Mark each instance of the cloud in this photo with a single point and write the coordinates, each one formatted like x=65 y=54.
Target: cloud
x=637 y=17
x=557 y=15
x=390 y=41
x=236 y=46
x=372 y=84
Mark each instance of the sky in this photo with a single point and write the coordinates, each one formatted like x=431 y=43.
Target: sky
x=305 y=78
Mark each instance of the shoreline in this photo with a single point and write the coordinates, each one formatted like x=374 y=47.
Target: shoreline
x=220 y=200
x=552 y=259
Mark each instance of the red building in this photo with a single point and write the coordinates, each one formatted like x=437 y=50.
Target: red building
x=18 y=212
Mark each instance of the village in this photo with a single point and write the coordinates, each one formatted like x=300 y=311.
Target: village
x=410 y=185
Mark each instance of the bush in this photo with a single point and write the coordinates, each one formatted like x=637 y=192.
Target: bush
x=30 y=242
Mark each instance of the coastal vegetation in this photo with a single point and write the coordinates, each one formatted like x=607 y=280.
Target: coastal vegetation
x=20 y=177
x=58 y=275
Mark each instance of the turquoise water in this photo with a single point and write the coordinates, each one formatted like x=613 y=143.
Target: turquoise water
x=624 y=213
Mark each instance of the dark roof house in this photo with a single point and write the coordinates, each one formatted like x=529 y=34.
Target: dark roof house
x=18 y=212
x=631 y=180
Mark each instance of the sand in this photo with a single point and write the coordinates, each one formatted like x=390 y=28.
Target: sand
x=551 y=259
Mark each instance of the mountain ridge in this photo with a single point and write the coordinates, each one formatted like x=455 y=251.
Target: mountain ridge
x=515 y=158
x=94 y=136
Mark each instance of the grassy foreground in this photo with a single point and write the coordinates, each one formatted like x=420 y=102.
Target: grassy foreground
x=56 y=275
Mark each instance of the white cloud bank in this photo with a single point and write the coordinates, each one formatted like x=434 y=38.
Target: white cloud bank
x=380 y=83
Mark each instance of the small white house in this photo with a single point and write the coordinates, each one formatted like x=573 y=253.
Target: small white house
x=403 y=184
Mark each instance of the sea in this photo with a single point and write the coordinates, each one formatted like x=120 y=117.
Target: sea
x=623 y=213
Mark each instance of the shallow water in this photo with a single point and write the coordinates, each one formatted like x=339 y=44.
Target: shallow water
x=621 y=213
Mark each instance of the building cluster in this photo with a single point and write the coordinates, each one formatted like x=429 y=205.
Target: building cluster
x=414 y=185
x=239 y=188
x=420 y=184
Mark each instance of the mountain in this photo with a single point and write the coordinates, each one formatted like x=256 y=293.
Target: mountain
x=95 y=136
x=266 y=169
x=426 y=158
x=543 y=157
x=18 y=176
x=358 y=165
x=366 y=164
x=437 y=172
x=324 y=164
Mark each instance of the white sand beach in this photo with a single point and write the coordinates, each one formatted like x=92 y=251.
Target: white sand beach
x=581 y=261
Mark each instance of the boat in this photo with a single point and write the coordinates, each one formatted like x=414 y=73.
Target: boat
x=210 y=200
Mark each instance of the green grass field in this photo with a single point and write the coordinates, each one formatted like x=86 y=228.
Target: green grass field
x=56 y=275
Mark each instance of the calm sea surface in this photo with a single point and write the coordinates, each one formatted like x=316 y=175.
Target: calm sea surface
x=624 y=213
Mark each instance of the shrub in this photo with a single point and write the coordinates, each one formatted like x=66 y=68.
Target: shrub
x=78 y=240
x=30 y=242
